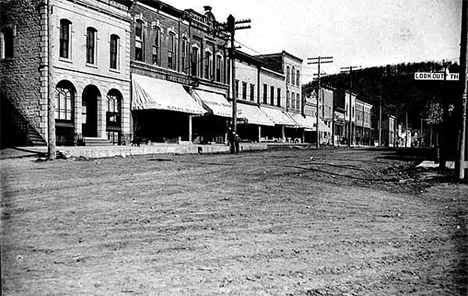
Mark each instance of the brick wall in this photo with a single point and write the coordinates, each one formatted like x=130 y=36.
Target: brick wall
x=20 y=76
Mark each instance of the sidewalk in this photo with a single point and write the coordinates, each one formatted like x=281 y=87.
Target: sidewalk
x=124 y=151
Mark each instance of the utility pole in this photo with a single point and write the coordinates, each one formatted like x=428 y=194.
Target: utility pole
x=463 y=147
x=380 y=120
x=318 y=61
x=350 y=71
x=51 y=142
x=231 y=28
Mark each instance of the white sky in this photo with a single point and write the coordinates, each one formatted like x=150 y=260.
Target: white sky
x=355 y=32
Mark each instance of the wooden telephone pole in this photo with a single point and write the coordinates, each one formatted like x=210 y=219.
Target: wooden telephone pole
x=318 y=61
x=463 y=147
x=231 y=27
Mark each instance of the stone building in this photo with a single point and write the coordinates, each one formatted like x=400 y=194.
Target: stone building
x=80 y=50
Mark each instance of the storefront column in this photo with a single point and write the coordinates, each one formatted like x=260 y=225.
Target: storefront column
x=190 y=128
x=259 y=133
x=303 y=135
x=226 y=134
x=283 y=134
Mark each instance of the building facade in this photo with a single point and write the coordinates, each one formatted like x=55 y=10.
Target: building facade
x=363 y=123
x=179 y=73
x=79 y=50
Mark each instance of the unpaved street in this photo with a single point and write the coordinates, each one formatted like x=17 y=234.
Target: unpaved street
x=290 y=222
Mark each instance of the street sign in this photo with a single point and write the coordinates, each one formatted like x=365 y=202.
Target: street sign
x=436 y=76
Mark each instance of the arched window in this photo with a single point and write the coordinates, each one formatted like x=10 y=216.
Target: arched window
x=194 y=61
x=157 y=46
x=293 y=76
x=114 y=51
x=64 y=46
x=288 y=103
x=139 y=41
x=288 y=74
x=91 y=45
x=184 y=54
x=219 y=62
x=114 y=99
x=298 y=75
x=64 y=100
x=171 y=55
x=208 y=65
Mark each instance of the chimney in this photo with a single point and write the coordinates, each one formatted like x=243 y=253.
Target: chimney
x=207 y=8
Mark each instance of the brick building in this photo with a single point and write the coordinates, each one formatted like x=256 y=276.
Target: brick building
x=179 y=75
x=89 y=66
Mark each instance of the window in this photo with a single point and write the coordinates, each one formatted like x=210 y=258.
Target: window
x=114 y=51
x=298 y=102
x=171 y=55
x=156 y=46
x=194 y=61
x=237 y=88
x=91 y=45
x=293 y=100
x=184 y=55
x=298 y=81
x=139 y=45
x=252 y=92
x=272 y=95
x=278 y=97
x=288 y=104
x=64 y=102
x=64 y=46
x=219 y=61
x=6 y=43
x=113 y=109
x=293 y=76
x=265 y=94
x=244 y=90
x=207 y=63
x=288 y=74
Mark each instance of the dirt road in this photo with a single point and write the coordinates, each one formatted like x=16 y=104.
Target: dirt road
x=292 y=222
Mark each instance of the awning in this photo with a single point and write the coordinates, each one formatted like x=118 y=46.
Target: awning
x=278 y=116
x=151 y=93
x=253 y=115
x=216 y=103
x=306 y=122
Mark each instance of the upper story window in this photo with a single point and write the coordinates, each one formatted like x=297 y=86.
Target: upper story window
x=194 y=61
x=237 y=88
x=219 y=61
x=272 y=95
x=157 y=46
x=171 y=55
x=64 y=46
x=288 y=104
x=265 y=94
x=288 y=74
x=207 y=61
x=139 y=41
x=6 y=43
x=298 y=80
x=114 y=51
x=293 y=100
x=293 y=76
x=183 y=55
x=244 y=90
x=278 y=97
x=91 y=45
x=252 y=92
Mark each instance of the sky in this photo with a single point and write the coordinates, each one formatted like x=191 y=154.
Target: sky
x=361 y=33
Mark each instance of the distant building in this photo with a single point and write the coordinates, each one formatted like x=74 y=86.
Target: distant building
x=363 y=123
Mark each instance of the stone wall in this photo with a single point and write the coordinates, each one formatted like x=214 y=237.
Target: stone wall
x=20 y=76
